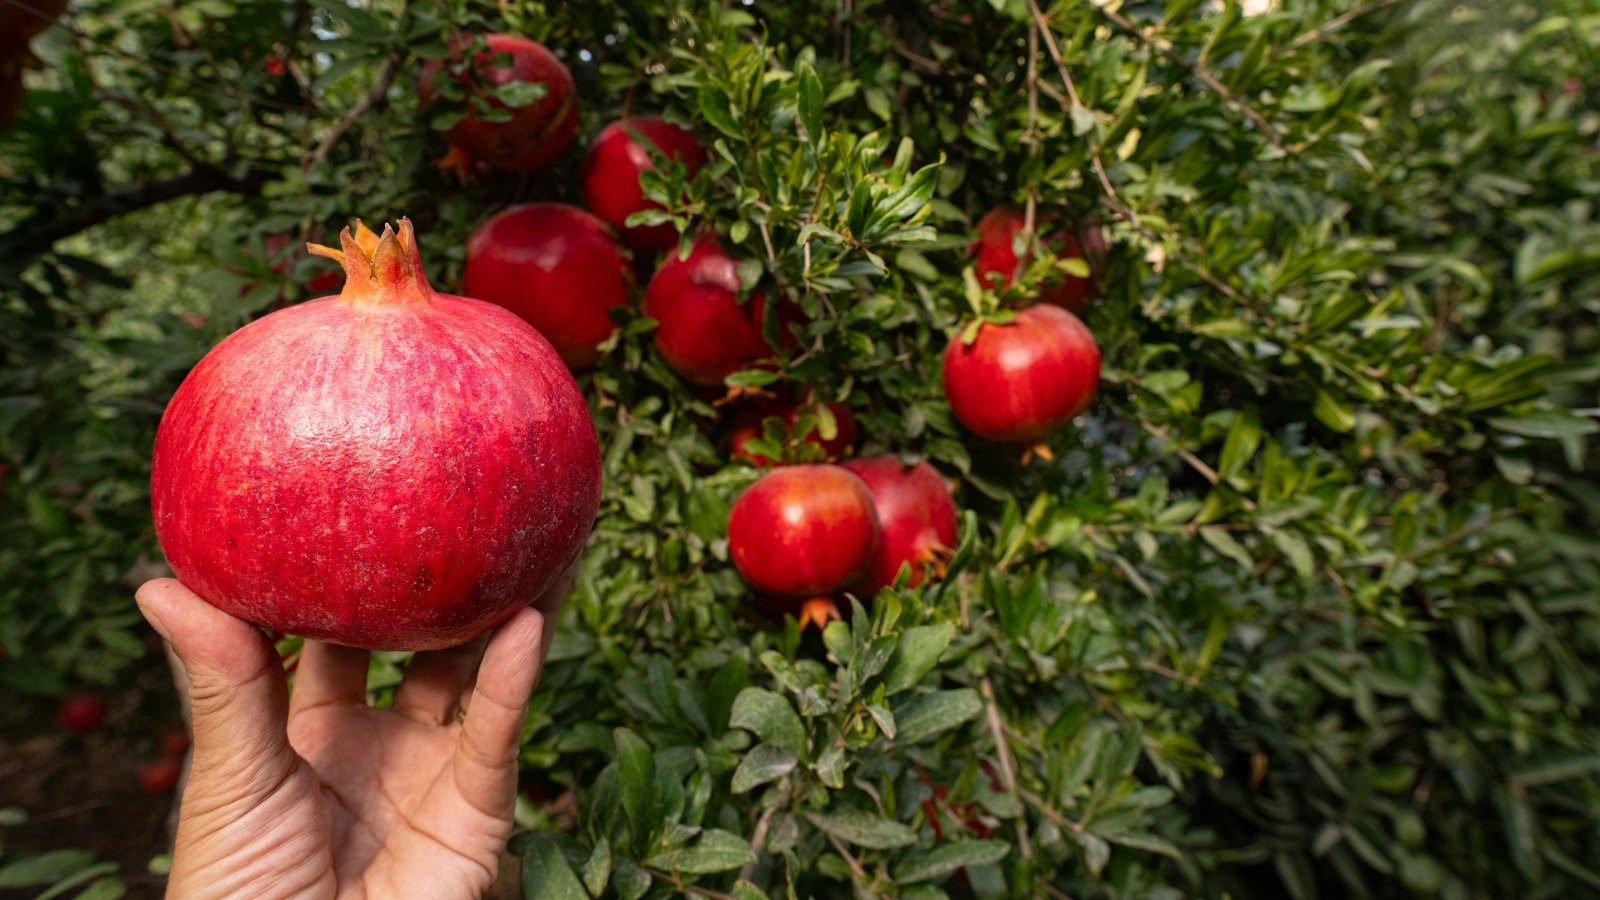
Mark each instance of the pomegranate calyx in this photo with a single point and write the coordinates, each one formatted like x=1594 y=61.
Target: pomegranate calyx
x=379 y=269
x=818 y=611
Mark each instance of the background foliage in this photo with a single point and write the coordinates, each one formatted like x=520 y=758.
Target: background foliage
x=1304 y=606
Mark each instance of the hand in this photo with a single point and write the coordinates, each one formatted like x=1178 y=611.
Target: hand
x=321 y=795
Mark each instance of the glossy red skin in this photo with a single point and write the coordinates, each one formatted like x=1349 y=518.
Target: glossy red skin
x=748 y=424
x=537 y=133
x=161 y=776
x=557 y=267
x=997 y=263
x=916 y=513
x=82 y=713
x=1022 y=380
x=611 y=174
x=705 y=334
x=397 y=474
x=803 y=531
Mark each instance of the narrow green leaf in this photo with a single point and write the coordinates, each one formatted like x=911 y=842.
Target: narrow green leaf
x=715 y=851
x=943 y=859
x=764 y=763
x=916 y=654
x=546 y=874
x=865 y=829
x=770 y=717
x=925 y=715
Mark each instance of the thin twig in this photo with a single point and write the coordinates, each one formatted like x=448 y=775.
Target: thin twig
x=1095 y=161
x=757 y=838
x=1337 y=22
x=1457 y=536
x=1008 y=764
x=1049 y=812
x=354 y=113
x=855 y=865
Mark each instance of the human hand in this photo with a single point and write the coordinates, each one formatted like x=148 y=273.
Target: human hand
x=320 y=795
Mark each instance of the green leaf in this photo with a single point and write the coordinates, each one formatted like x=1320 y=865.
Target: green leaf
x=865 y=829
x=925 y=715
x=771 y=718
x=764 y=763
x=715 y=851
x=597 y=870
x=1223 y=542
x=517 y=94
x=915 y=655
x=810 y=99
x=714 y=108
x=1548 y=424
x=636 y=779
x=1331 y=411
x=944 y=859
x=546 y=874
x=46 y=868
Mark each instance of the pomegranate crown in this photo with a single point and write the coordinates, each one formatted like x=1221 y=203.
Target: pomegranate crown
x=379 y=268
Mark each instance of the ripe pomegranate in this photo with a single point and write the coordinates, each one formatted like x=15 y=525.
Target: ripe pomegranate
x=160 y=776
x=998 y=263
x=535 y=134
x=557 y=267
x=389 y=468
x=611 y=174
x=803 y=531
x=705 y=334
x=1020 y=380
x=916 y=513
x=82 y=713
x=749 y=423
x=21 y=20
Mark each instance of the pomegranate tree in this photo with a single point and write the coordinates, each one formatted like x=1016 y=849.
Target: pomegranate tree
x=704 y=333
x=1020 y=380
x=803 y=532
x=916 y=513
x=611 y=174
x=535 y=133
x=389 y=468
x=557 y=267
x=748 y=425
x=998 y=263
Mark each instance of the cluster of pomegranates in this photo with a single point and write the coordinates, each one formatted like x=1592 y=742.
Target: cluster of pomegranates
x=20 y=22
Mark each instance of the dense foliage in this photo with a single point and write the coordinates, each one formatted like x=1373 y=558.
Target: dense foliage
x=1304 y=605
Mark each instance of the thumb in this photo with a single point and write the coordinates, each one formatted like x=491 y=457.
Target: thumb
x=238 y=696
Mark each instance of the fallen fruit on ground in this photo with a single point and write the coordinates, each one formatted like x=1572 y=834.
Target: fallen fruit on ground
x=803 y=531
x=82 y=713
x=1021 y=380
x=917 y=516
x=390 y=468
x=611 y=174
x=556 y=266
x=536 y=133
x=704 y=333
x=750 y=421
x=998 y=263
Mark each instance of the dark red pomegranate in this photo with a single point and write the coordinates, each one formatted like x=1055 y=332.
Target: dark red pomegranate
x=535 y=134
x=705 y=334
x=160 y=776
x=82 y=713
x=1021 y=380
x=557 y=267
x=611 y=174
x=390 y=468
x=998 y=263
x=175 y=742
x=803 y=531
x=749 y=422
x=917 y=515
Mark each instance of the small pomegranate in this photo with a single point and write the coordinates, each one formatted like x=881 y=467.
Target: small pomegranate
x=705 y=334
x=175 y=741
x=916 y=513
x=1021 y=380
x=160 y=776
x=557 y=267
x=535 y=134
x=391 y=468
x=749 y=423
x=803 y=531
x=82 y=713
x=998 y=263
x=611 y=174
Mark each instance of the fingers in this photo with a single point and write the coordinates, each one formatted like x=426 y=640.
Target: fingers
x=486 y=753
x=431 y=691
x=329 y=675
x=237 y=693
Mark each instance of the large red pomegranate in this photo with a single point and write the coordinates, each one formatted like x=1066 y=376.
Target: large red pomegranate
x=749 y=423
x=389 y=468
x=535 y=134
x=998 y=263
x=1021 y=380
x=611 y=174
x=705 y=334
x=916 y=513
x=803 y=531
x=557 y=267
